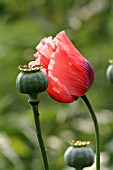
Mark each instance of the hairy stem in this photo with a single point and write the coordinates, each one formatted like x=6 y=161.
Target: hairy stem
x=96 y=131
x=39 y=133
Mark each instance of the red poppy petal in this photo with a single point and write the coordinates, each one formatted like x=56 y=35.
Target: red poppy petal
x=44 y=54
x=71 y=73
x=59 y=92
x=65 y=44
x=43 y=42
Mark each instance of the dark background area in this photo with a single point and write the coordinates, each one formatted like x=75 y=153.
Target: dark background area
x=89 y=25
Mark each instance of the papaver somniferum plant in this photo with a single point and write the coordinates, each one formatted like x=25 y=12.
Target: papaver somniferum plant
x=69 y=74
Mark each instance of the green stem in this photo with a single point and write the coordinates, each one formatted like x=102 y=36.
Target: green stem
x=39 y=134
x=96 y=131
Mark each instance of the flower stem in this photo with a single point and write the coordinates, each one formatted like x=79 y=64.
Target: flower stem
x=39 y=133
x=96 y=131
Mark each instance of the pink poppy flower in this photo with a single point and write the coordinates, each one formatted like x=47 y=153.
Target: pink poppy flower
x=69 y=74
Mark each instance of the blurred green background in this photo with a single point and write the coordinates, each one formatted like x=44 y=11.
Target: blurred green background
x=89 y=25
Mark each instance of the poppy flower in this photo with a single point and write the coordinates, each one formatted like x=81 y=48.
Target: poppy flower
x=69 y=74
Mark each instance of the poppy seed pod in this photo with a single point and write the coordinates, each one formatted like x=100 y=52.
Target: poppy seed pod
x=79 y=155
x=31 y=80
x=109 y=72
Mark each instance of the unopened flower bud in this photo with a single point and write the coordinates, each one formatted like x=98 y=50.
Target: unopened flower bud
x=31 y=80
x=79 y=155
x=109 y=72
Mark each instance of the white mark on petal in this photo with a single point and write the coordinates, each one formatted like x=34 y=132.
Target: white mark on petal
x=69 y=63
x=56 y=90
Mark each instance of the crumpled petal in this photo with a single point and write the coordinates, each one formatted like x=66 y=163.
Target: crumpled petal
x=70 y=75
x=59 y=92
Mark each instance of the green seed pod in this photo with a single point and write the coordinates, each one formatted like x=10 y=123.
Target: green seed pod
x=79 y=155
x=31 y=80
x=109 y=72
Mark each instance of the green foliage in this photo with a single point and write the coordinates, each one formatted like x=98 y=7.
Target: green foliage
x=89 y=24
